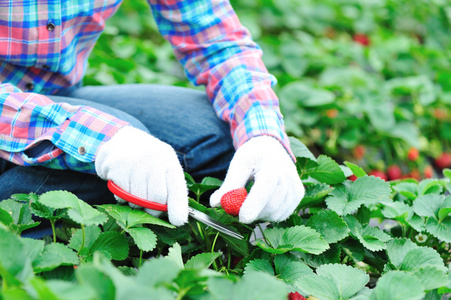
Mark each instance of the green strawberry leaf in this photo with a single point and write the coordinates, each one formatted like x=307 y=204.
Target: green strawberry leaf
x=55 y=255
x=407 y=189
x=175 y=254
x=289 y=269
x=396 y=285
x=372 y=238
x=104 y=287
x=430 y=186
x=297 y=238
x=333 y=281
x=432 y=278
x=437 y=209
x=42 y=289
x=158 y=271
x=143 y=237
x=417 y=223
x=20 y=213
x=328 y=171
x=367 y=190
x=255 y=285
x=441 y=229
x=70 y=290
x=126 y=217
x=300 y=150
x=404 y=255
x=78 y=210
x=444 y=212
x=404 y=214
x=43 y=211
x=33 y=248
x=261 y=265
x=356 y=170
x=201 y=261
x=330 y=256
x=6 y=217
x=111 y=243
x=330 y=225
x=22 y=197
x=128 y=287
x=15 y=265
x=16 y=293
x=90 y=236
x=207 y=183
x=428 y=205
x=314 y=194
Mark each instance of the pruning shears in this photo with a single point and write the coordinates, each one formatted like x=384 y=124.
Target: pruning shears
x=194 y=213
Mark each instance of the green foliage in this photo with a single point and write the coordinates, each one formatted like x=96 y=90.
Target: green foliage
x=296 y=238
x=344 y=237
x=329 y=248
x=334 y=281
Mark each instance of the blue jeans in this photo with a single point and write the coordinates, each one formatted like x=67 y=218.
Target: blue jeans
x=181 y=117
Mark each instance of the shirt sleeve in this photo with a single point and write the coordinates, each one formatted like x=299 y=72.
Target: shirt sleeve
x=218 y=52
x=30 y=120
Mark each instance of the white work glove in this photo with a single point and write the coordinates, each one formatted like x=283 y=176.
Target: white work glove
x=145 y=167
x=277 y=188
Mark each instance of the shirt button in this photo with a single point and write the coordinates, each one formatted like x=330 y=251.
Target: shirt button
x=50 y=26
x=29 y=86
x=82 y=150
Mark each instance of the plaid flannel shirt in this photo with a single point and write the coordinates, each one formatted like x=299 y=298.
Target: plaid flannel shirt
x=44 y=47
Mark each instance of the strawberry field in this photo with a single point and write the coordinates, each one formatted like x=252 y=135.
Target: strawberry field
x=365 y=88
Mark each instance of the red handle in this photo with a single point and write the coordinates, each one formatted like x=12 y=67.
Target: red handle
x=134 y=199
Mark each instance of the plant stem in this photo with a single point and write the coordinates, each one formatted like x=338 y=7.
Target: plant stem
x=140 y=257
x=83 y=238
x=52 y=223
x=200 y=231
x=213 y=249
x=182 y=293
x=264 y=236
x=214 y=243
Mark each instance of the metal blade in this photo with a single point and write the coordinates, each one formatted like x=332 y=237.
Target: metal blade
x=207 y=220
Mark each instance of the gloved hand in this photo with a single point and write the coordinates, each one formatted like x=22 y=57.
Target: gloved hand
x=277 y=188
x=145 y=167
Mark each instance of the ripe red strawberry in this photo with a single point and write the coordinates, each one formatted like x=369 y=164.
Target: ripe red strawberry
x=295 y=296
x=379 y=174
x=352 y=177
x=232 y=201
x=428 y=171
x=332 y=113
x=359 y=151
x=361 y=39
x=440 y=114
x=394 y=172
x=413 y=154
x=443 y=161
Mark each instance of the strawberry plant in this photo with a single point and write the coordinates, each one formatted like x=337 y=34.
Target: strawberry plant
x=362 y=239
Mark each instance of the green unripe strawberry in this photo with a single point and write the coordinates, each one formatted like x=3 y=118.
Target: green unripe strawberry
x=231 y=201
